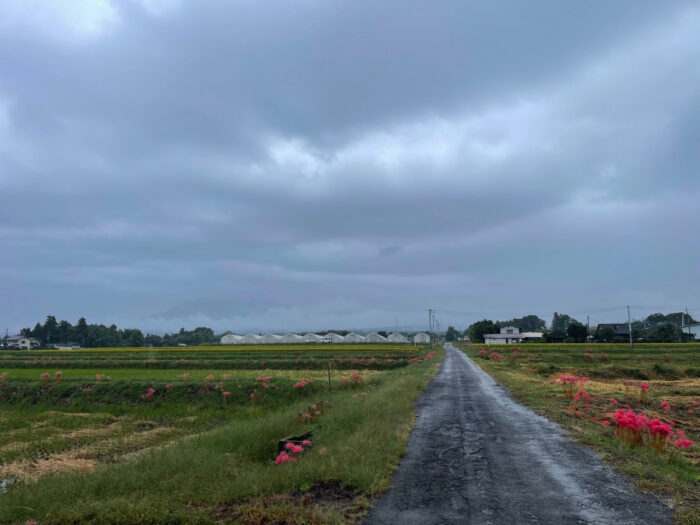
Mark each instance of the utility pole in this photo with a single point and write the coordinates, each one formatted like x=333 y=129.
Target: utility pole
x=430 y=325
x=629 y=326
x=588 y=325
x=687 y=315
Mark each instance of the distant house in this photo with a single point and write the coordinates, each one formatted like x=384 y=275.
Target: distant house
x=20 y=342
x=622 y=329
x=511 y=335
x=692 y=328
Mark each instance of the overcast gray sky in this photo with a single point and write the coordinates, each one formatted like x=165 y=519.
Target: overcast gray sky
x=307 y=164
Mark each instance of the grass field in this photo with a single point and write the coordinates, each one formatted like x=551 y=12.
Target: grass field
x=195 y=442
x=661 y=381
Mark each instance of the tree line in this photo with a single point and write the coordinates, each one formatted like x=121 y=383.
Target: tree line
x=655 y=328
x=100 y=336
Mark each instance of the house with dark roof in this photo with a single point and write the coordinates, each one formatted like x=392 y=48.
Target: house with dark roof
x=621 y=329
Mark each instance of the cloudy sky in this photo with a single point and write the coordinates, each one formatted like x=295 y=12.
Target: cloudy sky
x=307 y=164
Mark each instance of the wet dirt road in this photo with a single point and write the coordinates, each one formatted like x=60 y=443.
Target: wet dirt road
x=477 y=456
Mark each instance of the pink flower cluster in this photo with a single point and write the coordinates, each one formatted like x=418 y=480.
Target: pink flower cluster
x=287 y=455
x=634 y=429
x=431 y=354
x=149 y=394
x=301 y=384
x=568 y=384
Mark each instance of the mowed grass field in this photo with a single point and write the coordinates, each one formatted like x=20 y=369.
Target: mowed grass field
x=191 y=435
x=660 y=381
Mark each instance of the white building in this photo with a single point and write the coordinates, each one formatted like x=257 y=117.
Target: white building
x=335 y=338
x=421 y=338
x=312 y=338
x=20 y=342
x=251 y=339
x=395 y=337
x=511 y=335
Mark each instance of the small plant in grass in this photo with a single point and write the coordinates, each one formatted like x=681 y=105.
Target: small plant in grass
x=604 y=357
x=588 y=358
x=44 y=378
x=666 y=358
x=581 y=395
x=148 y=396
x=58 y=377
x=568 y=384
x=643 y=392
x=660 y=435
x=226 y=396
x=495 y=356
x=209 y=378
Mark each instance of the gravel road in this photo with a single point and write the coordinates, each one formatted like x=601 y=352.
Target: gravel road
x=477 y=456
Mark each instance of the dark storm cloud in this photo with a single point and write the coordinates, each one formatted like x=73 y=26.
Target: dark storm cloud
x=300 y=165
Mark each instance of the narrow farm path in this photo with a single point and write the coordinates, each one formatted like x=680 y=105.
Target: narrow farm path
x=477 y=456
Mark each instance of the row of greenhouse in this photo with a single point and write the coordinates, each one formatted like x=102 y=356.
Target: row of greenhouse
x=230 y=338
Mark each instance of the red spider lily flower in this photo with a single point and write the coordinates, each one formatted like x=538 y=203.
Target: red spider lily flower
x=282 y=458
x=226 y=394
x=58 y=374
x=665 y=406
x=306 y=443
x=252 y=396
x=613 y=400
x=680 y=433
x=226 y=376
x=684 y=443
x=690 y=411
x=587 y=406
x=168 y=386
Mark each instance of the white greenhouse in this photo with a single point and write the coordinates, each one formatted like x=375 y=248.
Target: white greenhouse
x=354 y=338
x=421 y=337
x=271 y=339
x=335 y=338
x=230 y=339
x=396 y=337
x=312 y=338
x=374 y=337
x=292 y=338
x=251 y=339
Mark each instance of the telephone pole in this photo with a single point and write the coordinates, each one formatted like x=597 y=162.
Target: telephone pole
x=629 y=326
x=430 y=325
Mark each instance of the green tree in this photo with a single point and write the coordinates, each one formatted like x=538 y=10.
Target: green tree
x=81 y=331
x=577 y=332
x=665 y=333
x=561 y=322
x=477 y=330
x=452 y=334
x=50 y=329
x=605 y=335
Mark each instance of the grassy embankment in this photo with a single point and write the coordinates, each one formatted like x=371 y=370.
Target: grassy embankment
x=92 y=451
x=672 y=373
